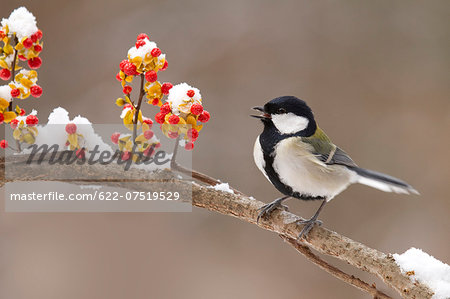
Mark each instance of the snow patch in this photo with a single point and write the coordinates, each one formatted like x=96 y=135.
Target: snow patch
x=224 y=187
x=180 y=101
x=22 y=22
x=5 y=92
x=426 y=269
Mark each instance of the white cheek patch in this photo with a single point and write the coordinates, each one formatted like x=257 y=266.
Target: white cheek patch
x=289 y=123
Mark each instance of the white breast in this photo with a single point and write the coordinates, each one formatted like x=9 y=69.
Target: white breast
x=304 y=173
x=259 y=157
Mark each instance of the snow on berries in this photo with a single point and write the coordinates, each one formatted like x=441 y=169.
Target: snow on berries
x=181 y=114
x=182 y=97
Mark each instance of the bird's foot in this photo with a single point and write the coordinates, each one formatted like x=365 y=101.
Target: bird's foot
x=267 y=209
x=308 y=225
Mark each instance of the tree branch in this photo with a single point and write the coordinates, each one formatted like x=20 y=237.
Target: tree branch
x=245 y=208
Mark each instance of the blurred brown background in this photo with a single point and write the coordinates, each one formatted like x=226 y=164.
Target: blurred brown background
x=376 y=74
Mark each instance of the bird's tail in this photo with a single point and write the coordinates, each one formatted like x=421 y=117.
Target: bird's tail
x=382 y=181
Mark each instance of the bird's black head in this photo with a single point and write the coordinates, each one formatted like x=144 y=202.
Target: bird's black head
x=289 y=115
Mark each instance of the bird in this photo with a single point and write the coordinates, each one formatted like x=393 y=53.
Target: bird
x=301 y=161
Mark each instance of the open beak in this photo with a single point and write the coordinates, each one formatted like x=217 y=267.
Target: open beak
x=262 y=116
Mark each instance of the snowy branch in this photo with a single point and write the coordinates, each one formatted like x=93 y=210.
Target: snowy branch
x=236 y=204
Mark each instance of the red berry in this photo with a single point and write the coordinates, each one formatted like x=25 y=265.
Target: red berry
x=22 y=112
x=23 y=58
x=3 y=143
x=158 y=145
x=155 y=101
x=27 y=43
x=80 y=153
x=15 y=92
x=118 y=77
x=2 y=118
x=204 y=117
x=2 y=34
x=14 y=123
x=142 y=36
x=37 y=48
x=71 y=128
x=148 y=134
x=31 y=120
x=39 y=34
x=160 y=117
x=174 y=119
x=127 y=89
x=129 y=69
x=34 y=63
x=166 y=87
x=190 y=93
x=122 y=64
x=34 y=37
x=155 y=52
x=151 y=76
x=5 y=74
x=173 y=135
x=192 y=134
x=165 y=108
x=140 y=43
x=189 y=146
x=166 y=64
x=126 y=155
x=115 y=138
x=128 y=106
x=149 y=122
x=196 y=109
x=36 y=91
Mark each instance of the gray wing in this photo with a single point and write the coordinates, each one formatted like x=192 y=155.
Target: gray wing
x=339 y=157
x=329 y=153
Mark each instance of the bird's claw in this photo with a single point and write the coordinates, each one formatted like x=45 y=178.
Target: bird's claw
x=308 y=225
x=267 y=209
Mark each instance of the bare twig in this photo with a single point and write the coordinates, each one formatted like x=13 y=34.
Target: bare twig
x=136 y=113
x=13 y=71
x=244 y=208
x=350 y=279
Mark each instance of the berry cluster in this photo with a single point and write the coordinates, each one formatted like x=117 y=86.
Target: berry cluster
x=145 y=58
x=180 y=106
x=21 y=41
x=24 y=127
x=182 y=114
x=146 y=142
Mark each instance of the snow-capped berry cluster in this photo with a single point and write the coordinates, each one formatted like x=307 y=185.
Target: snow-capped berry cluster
x=21 y=40
x=146 y=59
x=181 y=114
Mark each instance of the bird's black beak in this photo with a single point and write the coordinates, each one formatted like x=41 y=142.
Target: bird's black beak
x=263 y=116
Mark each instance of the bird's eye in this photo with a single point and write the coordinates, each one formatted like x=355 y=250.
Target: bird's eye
x=281 y=110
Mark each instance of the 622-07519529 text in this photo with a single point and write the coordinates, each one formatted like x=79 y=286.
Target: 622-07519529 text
x=97 y=195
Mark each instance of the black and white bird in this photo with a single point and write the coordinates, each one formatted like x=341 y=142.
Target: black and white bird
x=299 y=159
